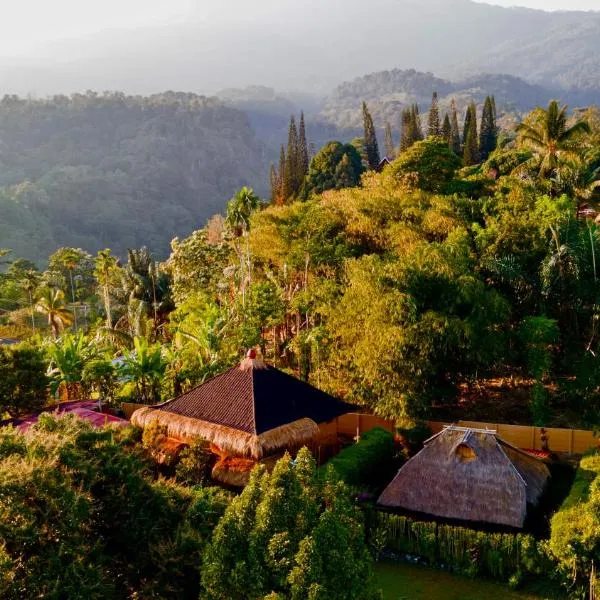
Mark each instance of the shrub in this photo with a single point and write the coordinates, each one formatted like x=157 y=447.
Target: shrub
x=500 y=556
x=575 y=527
x=431 y=161
x=367 y=462
x=194 y=464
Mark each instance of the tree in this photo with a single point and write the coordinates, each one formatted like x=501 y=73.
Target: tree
x=447 y=131
x=280 y=198
x=274 y=184
x=547 y=134
x=51 y=303
x=390 y=151
x=471 y=146
x=292 y=179
x=432 y=163
x=328 y=169
x=23 y=382
x=303 y=157
x=105 y=269
x=289 y=535
x=405 y=130
x=456 y=146
x=467 y=124
x=68 y=356
x=372 y=149
x=416 y=129
x=433 y=120
x=30 y=281
x=145 y=367
x=488 y=136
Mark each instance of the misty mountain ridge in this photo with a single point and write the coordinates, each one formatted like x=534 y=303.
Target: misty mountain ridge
x=313 y=49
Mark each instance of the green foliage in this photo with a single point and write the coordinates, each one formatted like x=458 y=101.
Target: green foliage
x=431 y=161
x=364 y=462
x=110 y=170
x=288 y=533
x=193 y=466
x=145 y=367
x=23 y=382
x=575 y=528
x=370 y=136
x=80 y=519
x=335 y=166
x=499 y=556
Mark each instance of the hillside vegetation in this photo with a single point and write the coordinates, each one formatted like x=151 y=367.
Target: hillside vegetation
x=113 y=170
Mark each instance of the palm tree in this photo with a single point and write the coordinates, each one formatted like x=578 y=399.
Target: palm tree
x=51 y=303
x=145 y=366
x=239 y=212
x=547 y=134
x=29 y=282
x=105 y=267
x=68 y=357
x=70 y=260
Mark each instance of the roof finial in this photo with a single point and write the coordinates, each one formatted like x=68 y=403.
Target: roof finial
x=253 y=360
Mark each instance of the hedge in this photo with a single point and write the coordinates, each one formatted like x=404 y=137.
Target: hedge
x=500 y=556
x=366 y=463
x=575 y=527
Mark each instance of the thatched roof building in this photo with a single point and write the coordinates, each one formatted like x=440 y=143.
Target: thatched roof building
x=252 y=410
x=468 y=475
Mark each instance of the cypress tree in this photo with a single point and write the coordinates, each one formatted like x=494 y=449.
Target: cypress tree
x=291 y=185
x=417 y=128
x=389 y=141
x=471 y=149
x=433 y=121
x=488 y=134
x=371 y=146
x=447 y=131
x=455 y=130
x=303 y=158
x=281 y=179
x=274 y=181
x=405 y=130
x=466 y=125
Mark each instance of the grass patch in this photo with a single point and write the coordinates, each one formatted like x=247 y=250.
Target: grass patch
x=400 y=581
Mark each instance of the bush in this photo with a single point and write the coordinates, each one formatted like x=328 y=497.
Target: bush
x=501 y=556
x=367 y=462
x=81 y=518
x=194 y=464
x=575 y=528
x=431 y=161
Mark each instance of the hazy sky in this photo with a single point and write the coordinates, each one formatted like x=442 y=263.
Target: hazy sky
x=27 y=24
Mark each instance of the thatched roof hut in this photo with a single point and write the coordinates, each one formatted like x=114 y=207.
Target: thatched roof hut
x=468 y=475
x=252 y=410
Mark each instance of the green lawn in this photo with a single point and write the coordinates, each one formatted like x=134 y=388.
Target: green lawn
x=407 y=582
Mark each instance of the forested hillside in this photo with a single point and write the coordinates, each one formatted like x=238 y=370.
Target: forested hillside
x=388 y=92
x=113 y=170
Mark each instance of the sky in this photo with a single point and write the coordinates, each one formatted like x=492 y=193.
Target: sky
x=549 y=4
x=27 y=25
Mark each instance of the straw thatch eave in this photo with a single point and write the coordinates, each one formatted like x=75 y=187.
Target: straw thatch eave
x=234 y=441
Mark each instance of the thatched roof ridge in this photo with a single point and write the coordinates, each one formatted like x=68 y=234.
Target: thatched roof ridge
x=254 y=397
x=468 y=475
x=235 y=441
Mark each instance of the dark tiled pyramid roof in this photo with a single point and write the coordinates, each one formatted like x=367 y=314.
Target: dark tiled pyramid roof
x=256 y=400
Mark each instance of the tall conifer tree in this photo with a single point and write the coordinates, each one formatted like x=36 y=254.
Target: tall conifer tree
x=466 y=125
x=291 y=185
x=274 y=181
x=281 y=177
x=488 y=136
x=417 y=127
x=389 y=141
x=405 y=130
x=471 y=148
x=433 y=121
x=371 y=145
x=447 y=131
x=303 y=158
x=455 y=130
